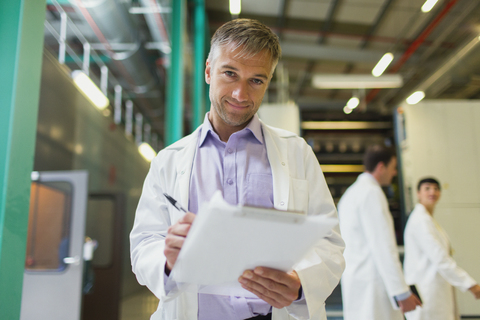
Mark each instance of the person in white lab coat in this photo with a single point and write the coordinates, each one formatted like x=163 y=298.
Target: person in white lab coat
x=428 y=263
x=373 y=286
x=240 y=65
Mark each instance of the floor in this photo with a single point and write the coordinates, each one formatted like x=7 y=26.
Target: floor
x=139 y=306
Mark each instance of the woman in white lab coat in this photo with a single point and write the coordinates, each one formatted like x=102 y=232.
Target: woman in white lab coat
x=428 y=264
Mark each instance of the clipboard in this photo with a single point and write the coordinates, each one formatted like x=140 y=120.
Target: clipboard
x=226 y=240
x=414 y=290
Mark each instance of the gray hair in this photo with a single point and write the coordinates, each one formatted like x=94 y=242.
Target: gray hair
x=249 y=34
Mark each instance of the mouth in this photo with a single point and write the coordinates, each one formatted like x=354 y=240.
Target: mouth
x=236 y=105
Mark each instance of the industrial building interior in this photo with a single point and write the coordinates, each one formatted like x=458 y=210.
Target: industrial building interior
x=132 y=49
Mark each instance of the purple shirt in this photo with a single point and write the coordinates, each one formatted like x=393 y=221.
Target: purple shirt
x=240 y=169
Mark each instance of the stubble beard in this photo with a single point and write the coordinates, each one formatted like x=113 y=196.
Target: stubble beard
x=231 y=119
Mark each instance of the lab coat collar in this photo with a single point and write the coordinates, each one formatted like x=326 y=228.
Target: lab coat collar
x=254 y=126
x=276 y=144
x=368 y=176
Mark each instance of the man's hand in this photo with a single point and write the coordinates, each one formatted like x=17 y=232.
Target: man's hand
x=409 y=304
x=175 y=239
x=277 y=288
x=475 y=290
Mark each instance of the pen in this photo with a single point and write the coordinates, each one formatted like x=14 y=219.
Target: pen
x=174 y=202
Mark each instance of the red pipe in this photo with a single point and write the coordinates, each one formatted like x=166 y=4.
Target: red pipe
x=160 y=22
x=415 y=44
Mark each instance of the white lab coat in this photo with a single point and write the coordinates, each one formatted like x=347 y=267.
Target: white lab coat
x=429 y=266
x=298 y=184
x=373 y=273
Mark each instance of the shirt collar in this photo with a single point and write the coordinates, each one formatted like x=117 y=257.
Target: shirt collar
x=254 y=126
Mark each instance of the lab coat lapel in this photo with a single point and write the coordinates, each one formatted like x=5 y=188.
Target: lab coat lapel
x=184 y=169
x=277 y=156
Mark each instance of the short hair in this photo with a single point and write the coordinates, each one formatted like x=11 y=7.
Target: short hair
x=428 y=180
x=376 y=154
x=252 y=35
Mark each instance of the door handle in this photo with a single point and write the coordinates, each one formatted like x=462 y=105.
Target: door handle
x=72 y=260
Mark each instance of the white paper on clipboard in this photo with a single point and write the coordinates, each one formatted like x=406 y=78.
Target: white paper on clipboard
x=226 y=240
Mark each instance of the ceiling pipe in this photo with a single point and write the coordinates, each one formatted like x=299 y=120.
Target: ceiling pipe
x=110 y=22
x=415 y=45
x=156 y=25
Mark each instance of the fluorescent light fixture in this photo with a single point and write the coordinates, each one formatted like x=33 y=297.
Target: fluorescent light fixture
x=235 y=7
x=147 y=151
x=356 y=81
x=345 y=125
x=415 y=97
x=428 y=5
x=90 y=89
x=342 y=168
x=353 y=103
x=382 y=64
x=347 y=110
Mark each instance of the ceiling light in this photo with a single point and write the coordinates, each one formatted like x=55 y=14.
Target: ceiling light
x=428 y=5
x=347 y=110
x=147 y=151
x=356 y=81
x=415 y=97
x=90 y=89
x=353 y=103
x=382 y=65
x=235 y=7
x=345 y=125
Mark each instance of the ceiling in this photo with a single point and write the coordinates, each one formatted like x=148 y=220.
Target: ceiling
x=437 y=52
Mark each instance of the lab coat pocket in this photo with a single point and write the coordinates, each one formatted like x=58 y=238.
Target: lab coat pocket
x=298 y=198
x=259 y=190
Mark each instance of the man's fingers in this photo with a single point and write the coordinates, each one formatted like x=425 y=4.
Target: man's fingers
x=187 y=218
x=288 y=279
x=276 y=290
x=273 y=298
x=179 y=229
x=183 y=225
x=176 y=237
x=265 y=298
x=174 y=241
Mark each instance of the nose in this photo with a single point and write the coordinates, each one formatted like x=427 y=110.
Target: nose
x=240 y=92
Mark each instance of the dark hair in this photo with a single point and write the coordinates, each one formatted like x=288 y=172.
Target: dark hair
x=376 y=154
x=428 y=180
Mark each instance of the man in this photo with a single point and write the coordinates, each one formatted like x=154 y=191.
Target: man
x=251 y=164
x=373 y=282
x=428 y=262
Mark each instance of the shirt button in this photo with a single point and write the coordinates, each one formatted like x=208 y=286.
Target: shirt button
x=229 y=150
x=282 y=203
x=283 y=163
x=230 y=181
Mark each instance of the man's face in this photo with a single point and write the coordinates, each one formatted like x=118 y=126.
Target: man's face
x=237 y=87
x=428 y=194
x=388 y=172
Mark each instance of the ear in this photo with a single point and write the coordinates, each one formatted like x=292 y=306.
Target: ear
x=380 y=167
x=208 y=70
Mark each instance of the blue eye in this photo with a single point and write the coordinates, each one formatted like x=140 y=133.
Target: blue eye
x=257 y=81
x=230 y=73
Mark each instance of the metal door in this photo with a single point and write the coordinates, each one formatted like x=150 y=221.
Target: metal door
x=105 y=221
x=52 y=281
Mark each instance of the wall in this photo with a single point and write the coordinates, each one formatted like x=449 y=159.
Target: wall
x=442 y=139
x=73 y=135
